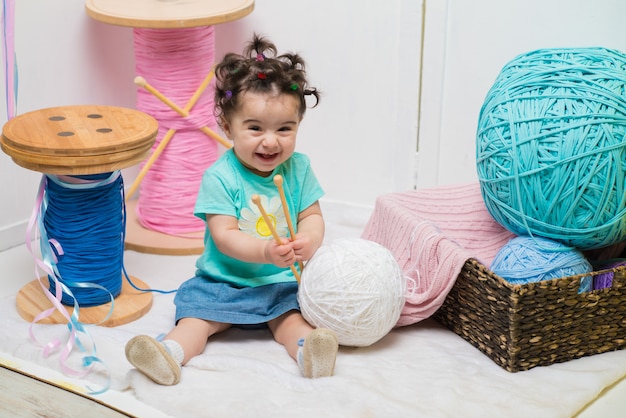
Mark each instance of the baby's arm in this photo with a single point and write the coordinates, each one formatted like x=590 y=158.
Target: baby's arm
x=231 y=241
x=310 y=232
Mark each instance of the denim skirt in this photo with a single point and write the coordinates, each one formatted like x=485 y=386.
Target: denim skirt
x=203 y=298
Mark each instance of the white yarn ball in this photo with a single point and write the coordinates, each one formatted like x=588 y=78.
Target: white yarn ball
x=355 y=288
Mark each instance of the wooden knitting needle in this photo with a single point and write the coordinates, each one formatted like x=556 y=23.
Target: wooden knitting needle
x=144 y=170
x=257 y=201
x=210 y=132
x=278 y=181
x=140 y=81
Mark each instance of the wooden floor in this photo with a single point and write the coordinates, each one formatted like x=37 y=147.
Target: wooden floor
x=23 y=395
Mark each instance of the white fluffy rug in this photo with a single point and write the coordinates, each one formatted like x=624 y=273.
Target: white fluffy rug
x=422 y=370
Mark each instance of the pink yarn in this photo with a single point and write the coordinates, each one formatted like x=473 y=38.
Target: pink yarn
x=175 y=62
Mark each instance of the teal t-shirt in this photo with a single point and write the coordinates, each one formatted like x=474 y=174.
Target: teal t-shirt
x=227 y=188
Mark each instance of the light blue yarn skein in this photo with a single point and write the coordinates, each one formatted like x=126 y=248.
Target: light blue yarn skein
x=551 y=148
x=526 y=259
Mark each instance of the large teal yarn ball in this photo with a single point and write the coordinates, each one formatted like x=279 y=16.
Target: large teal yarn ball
x=551 y=147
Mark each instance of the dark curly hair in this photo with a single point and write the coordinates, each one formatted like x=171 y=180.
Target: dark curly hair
x=260 y=70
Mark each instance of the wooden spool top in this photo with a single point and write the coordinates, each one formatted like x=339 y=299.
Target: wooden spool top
x=79 y=139
x=167 y=14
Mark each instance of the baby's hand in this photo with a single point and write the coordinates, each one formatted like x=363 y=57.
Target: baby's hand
x=281 y=255
x=303 y=247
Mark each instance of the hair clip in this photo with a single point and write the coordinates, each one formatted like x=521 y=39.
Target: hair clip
x=294 y=87
x=262 y=76
x=228 y=94
x=260 y=57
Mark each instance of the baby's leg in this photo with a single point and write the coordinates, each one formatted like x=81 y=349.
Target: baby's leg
x=315 y=350
x=161 y=360
x=192 y=335
x=288 y=329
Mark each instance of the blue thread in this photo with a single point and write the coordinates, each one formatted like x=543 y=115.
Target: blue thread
x=550 y=149
x=528 y=259
x=82 y=221
x=87 y=220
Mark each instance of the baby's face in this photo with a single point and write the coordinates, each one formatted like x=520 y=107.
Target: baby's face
x=264 y=130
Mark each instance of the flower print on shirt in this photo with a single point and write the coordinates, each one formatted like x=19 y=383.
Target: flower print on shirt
x=252 y=222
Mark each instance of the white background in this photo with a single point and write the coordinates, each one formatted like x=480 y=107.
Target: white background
x=393 y=74
x=398 y=76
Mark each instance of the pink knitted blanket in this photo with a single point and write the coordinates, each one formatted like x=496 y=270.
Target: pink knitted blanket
x=431 y=233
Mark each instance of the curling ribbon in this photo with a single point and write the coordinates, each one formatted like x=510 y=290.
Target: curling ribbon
x=48 y=264
x=8 y=56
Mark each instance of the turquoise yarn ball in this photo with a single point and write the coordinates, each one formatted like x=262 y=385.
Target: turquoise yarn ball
x=551 y=148
x=526 y=259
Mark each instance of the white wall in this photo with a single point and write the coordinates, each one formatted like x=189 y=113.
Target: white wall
x=364 y=57
x=63 y=58
x=466 y=44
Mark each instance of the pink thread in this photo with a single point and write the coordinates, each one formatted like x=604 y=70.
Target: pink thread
x=175 y=62
x=8 y=55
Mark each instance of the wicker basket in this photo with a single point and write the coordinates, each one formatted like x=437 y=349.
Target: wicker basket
x=536 y=324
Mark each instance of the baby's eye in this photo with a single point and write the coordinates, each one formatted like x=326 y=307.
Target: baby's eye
x=285 y=129
x=254 y=128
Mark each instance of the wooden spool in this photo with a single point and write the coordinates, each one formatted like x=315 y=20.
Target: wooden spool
x=75 y=140
x=167 y=14
x=164 y=14
x=79 y=139
x=129 y=305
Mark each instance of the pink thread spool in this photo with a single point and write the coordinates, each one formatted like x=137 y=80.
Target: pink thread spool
x=161 y=221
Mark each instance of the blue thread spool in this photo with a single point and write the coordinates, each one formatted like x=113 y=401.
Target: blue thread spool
x=82 y=214
x=74 y=144
x=528 y=259
x=551 y=148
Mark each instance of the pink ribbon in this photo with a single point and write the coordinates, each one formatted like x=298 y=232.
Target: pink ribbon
x=8 y=56
x=47 y=264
